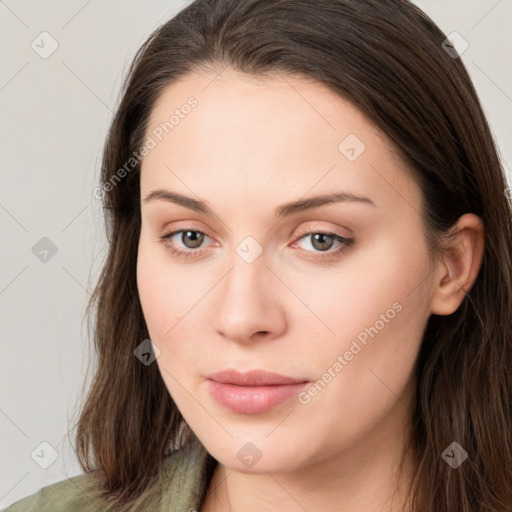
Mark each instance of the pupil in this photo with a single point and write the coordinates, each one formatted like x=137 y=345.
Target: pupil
x=195 y=236
x=322 y=243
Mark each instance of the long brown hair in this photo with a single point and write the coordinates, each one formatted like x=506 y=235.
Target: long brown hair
x=387 y=58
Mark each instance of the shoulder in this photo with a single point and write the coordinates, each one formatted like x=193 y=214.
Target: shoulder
x=181 y=484
x=81 y=493
x=186 y=475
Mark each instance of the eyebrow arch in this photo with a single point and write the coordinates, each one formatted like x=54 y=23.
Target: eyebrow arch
x=283 y=210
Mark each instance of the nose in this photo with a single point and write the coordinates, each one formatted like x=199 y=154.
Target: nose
x=250 y=302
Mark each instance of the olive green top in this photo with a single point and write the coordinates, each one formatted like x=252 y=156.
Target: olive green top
x=181 y=486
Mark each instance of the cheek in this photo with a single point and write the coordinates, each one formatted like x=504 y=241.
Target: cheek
x=162 y=319
x=166 y=298
x=376 y=286
x=157 y=290
x=148 y=285
x=376 y=314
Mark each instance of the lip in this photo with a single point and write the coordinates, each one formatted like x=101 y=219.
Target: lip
x=252 y=392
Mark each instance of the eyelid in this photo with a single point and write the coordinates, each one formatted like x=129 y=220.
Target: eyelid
x=306 y=230
x=321 y=229
x=345 y=243
x=185 y=226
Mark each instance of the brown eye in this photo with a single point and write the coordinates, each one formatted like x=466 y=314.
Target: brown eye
x=196 y=238
x=322 y=241
x=190 y=239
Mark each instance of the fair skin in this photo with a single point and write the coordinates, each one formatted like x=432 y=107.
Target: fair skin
x=249 y=146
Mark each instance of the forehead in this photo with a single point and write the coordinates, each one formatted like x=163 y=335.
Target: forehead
x=254 y=110
x=267 y=135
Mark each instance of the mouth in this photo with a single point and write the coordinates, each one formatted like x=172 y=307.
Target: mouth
x=252 y=392
x=252 y=378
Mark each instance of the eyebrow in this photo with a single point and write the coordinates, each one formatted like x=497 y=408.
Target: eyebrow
x=283 y=210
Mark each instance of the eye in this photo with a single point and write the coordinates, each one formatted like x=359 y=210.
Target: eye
x=323 y=241
x=192 y=239
x=186 y=234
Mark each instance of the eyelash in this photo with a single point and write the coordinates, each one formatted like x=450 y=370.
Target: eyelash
x=195 y=253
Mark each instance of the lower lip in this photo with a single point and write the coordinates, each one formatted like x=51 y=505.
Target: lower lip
x=252 y=399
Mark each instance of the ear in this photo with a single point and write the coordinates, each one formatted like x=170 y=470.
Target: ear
x=459 y=267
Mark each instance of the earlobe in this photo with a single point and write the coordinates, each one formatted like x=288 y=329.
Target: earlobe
x=458 y=270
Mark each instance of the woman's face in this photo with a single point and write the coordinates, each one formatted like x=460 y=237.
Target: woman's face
x=272 y=288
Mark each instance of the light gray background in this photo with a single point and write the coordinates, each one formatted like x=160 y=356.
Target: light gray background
x=55 y=114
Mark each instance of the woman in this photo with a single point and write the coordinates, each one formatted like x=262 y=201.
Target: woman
x=307 y=301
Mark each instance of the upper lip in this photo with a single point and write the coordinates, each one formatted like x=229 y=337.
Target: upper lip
x=252 y=378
